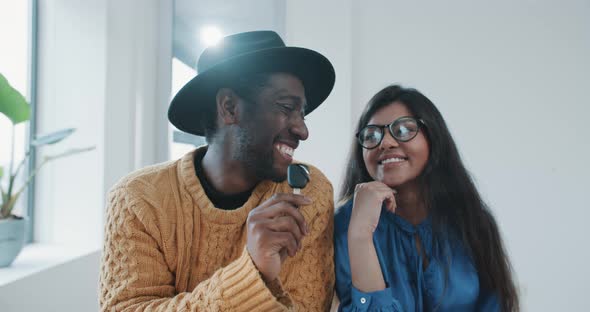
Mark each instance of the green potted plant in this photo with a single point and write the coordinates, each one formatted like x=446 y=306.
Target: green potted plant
x=12 y=228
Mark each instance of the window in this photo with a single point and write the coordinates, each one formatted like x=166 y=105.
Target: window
x=17 y=33
x=198 y=24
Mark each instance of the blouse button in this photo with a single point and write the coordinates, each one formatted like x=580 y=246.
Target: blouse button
x=363 y=300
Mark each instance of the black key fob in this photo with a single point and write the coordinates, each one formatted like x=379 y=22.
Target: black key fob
x=297 y=175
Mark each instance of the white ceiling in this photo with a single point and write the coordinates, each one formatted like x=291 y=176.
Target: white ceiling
x=231 y=16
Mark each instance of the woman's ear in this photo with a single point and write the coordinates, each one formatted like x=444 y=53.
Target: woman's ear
x=227 y=106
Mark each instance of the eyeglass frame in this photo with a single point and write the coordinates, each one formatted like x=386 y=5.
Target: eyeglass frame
x=419 y=122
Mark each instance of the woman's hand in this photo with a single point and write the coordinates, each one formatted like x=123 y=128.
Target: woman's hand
x=364 y=264
x=366 y=209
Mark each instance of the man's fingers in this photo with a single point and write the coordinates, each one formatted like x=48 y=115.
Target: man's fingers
x=294 y=199
x=283 y=254
x=286 y=240
x=284 y=209
x=286 y=224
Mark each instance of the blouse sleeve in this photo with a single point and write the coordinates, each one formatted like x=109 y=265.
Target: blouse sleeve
x=352 y=299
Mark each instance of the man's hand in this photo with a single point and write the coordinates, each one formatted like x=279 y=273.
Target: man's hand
x=275 y=230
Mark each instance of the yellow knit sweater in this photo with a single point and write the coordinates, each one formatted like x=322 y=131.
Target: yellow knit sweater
x=167 y=248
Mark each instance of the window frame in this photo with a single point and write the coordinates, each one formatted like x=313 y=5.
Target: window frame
x=32 y=129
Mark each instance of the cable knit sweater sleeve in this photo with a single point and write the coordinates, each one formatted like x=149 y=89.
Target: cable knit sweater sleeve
x=136 y=275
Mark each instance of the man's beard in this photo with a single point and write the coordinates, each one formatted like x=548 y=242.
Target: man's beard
x=259 y=160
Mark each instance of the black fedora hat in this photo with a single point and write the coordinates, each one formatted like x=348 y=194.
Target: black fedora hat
x=242 y=54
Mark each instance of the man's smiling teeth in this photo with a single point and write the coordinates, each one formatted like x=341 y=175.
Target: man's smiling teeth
x=392 y=160
x=285 y=149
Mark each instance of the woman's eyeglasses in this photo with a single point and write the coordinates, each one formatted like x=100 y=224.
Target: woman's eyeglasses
x=402 y=129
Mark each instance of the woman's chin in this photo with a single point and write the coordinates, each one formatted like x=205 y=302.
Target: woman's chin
x=391 y=183
x=396 y=183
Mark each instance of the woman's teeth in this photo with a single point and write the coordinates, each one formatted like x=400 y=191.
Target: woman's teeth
x=392 y=160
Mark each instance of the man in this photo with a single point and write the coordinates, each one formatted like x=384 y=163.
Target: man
x=220 y=229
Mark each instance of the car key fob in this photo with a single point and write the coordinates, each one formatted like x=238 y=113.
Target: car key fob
x=297 y=176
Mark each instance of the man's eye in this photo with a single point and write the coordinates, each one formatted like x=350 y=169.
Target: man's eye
x=286 y=106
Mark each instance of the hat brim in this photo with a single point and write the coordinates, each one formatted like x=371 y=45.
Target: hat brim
x=194 y=104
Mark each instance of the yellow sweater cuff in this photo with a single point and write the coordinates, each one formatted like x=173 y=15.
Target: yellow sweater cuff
x=247 y=290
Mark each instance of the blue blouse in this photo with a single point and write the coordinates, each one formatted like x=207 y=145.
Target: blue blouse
x=410 y=286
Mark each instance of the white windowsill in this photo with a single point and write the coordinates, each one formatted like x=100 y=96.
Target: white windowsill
x=38 y=257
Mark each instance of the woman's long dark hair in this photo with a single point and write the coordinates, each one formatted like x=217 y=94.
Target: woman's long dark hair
x=448 y=191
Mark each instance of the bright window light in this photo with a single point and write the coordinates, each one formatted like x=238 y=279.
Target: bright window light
x=14 y=66
x=210 y=35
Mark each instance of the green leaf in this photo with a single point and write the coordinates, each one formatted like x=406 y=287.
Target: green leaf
x=1 y=172
x=12 y=103
x=53 y=137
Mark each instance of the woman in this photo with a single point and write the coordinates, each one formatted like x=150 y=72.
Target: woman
x=413 y=233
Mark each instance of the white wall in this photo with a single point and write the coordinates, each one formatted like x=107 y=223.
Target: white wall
x=71 y=93
x=330 y=124
x=138 y=69
x=511 y=79
x=104 y=68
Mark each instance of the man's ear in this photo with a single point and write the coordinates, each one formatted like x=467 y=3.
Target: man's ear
x=227 y=106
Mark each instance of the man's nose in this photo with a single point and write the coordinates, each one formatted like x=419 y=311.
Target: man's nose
x=299 y=128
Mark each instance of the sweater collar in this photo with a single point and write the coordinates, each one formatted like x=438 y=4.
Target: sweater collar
x=191 y=184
